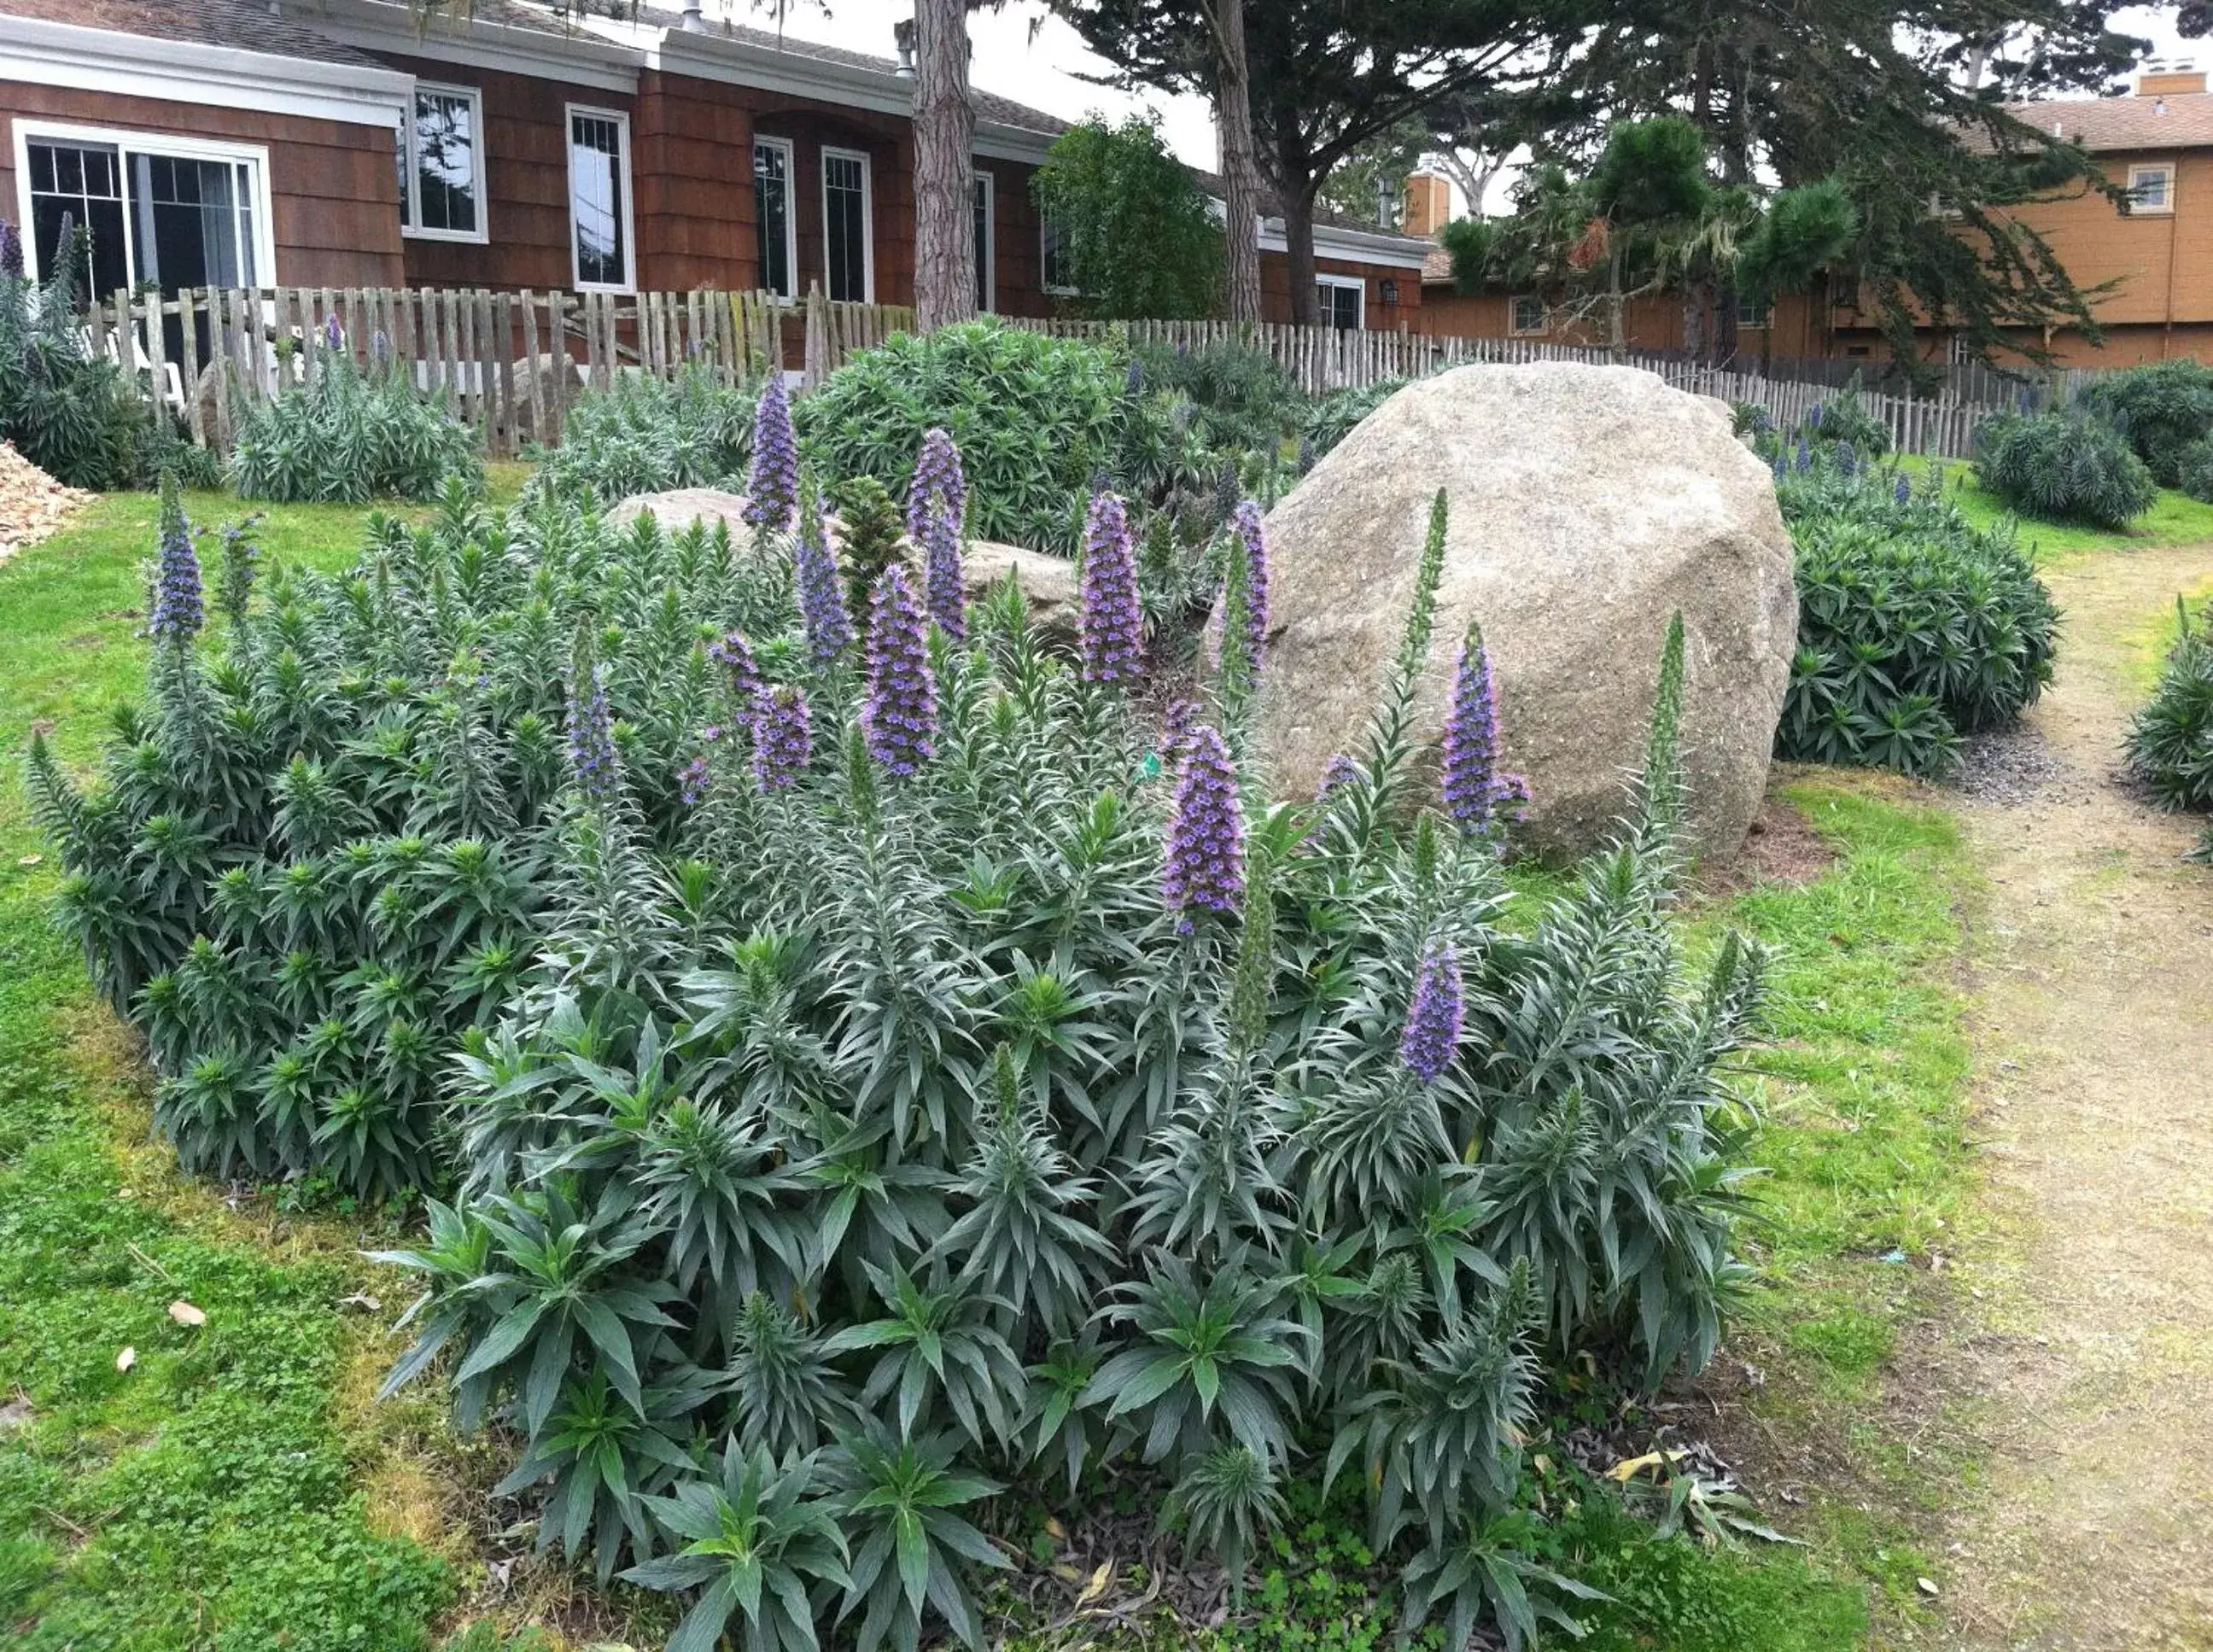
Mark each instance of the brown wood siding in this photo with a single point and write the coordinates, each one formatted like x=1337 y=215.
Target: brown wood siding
x=1275 y=289
x=526 y=136
x=333 y=188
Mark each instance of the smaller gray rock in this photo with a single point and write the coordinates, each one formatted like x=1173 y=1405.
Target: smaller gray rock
x=678 y=509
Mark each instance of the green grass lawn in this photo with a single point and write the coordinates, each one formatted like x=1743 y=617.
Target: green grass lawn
x=233 y=1489
x=2175 y=519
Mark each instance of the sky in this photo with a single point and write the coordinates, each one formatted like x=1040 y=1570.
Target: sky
x=1022 y=53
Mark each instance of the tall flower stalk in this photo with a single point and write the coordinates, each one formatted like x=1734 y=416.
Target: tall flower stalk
x=821 y=596
x=735 y=656
x=593 y=764
x=1110 y=634
x=772 y=490
x=938 y=483
x=178 y=609
x=1476 y=795
x=1433 y=1015
x=944 y=590
x=1205 y=867
x=899 y=720
x=1250 y=569
x=783 y=739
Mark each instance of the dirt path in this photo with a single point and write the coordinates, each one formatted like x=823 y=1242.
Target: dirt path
x=2094 y=1049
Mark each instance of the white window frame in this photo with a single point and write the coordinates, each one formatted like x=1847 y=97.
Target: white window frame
x=833 y=152
x=411 y=226
x=2164 y=170
x=1045 y=226
x=629 y=283
x=124 y=138
x=1341 y=282
x=790 y=215
x=987 y=277
x=1753 y=314
x=1513 y=310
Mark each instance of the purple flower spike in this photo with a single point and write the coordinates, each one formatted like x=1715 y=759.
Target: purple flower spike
x=592 y=759
x=1341 y=772
x=734 y=654
x=11 y=251
x=821 y=594
x=1902 y=490
x=1206 y=839
x=1474 y=791
x=943 y=587
x=178 y=612
x=1253 y=551
x=783 y=739
x=693 y=782
x=333 y=333
x=1433 y=1019
x=899 y=717
x=772 y=491
x=938 y=480
x=1111 y=636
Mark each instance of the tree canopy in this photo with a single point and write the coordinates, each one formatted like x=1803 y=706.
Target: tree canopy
x=1137 y=236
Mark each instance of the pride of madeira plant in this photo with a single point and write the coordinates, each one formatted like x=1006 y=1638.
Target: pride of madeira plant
x=931 y=1079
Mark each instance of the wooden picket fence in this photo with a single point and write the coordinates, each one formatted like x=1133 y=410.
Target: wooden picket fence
x=510 y=364
x=513 y=363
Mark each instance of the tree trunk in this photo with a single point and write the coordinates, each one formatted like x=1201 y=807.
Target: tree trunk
x=1617 y=330
x=1299 y=253
x=1243 y=199
x=944 y=136
x=1698 y=309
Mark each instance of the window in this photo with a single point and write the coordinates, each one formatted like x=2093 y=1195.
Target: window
x=987 y=284
x=846 y=254
x=157 y=210
x=2151 y=189
x=598 y=197
x=1525 y=313
x=441 y=182
x=1343 y=299
x=772 y=219
x=1751 y=312
x=1053 y=259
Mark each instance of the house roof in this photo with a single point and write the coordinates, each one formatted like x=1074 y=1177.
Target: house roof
x=236 y=25
x=2176 y=120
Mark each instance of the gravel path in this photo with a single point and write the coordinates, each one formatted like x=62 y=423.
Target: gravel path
x=2094 y=1052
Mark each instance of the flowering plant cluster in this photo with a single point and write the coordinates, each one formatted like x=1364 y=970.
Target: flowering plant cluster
x=884 y=1083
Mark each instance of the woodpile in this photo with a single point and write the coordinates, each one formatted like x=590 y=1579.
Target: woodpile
x=31 y=503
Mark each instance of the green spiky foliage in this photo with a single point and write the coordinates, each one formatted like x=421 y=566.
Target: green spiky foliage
x=351 y=434
x=2065 y=468
x=68 y=410
x=2161 y=409
x=922 y=1151
x=646 y=434
x=811 y=1165
x=328 y=840
x=1914 y=627
x=1844 y=419
x=2170 y=742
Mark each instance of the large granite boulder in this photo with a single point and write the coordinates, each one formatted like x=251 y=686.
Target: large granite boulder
x=677 y=509
x=1588 y=505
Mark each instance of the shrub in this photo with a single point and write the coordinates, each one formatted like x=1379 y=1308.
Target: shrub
x=644 y=435
x=1331 y=419
x=320 y=851
x=351 y=434
x=2161 y=409
x=1241 y=401
x=1914 y=627
x=1138 y=237
x=1035 y=418
x=1844 y=419
x=2194 y=471
x=2062 y=467
x=916 y=1090
x=72 y=413
x=2170 y=743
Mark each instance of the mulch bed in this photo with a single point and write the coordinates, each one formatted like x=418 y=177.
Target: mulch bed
x=31 y=503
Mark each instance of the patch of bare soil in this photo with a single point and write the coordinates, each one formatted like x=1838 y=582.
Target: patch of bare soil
x=31 y=503
x=1782 y=847
x=2093 y=1022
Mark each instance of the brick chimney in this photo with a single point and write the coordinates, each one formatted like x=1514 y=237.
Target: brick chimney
x=2168 y=80
x=1429 y=205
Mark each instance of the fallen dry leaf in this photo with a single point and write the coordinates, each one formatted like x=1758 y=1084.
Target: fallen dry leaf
x=126 y=1359
x=30 y=860
x=1097 y=1586
x=185 y=1314
x=1055 y=1530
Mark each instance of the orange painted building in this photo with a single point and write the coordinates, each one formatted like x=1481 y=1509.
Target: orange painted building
x=2147 y=268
